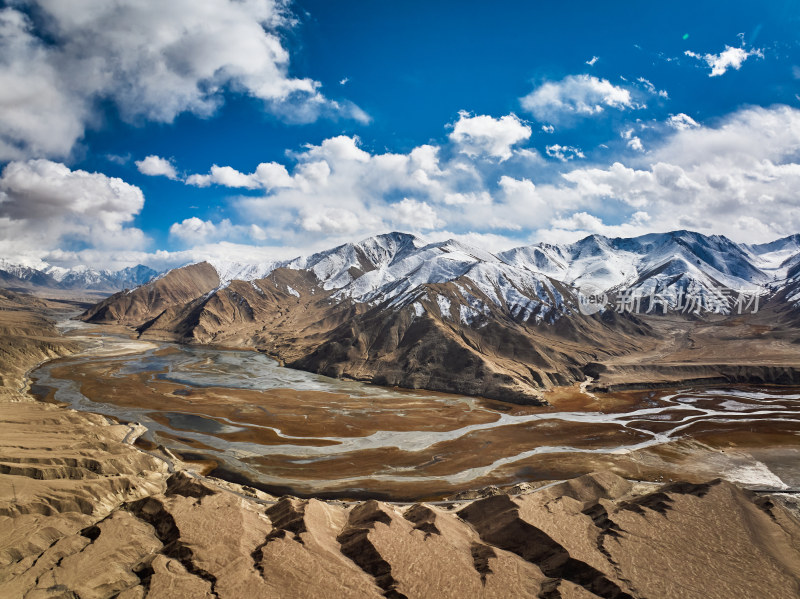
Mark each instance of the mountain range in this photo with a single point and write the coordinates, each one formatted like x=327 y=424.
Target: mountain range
x=48 y=278
x=396 y=310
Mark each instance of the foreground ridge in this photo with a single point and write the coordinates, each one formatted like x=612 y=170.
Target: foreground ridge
x=174 y=535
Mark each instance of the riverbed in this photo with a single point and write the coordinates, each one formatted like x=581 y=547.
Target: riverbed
x=240 y=415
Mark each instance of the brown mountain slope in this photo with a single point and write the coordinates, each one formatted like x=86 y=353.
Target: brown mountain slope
x=27 y=336
x=459 y=337
x=416 y=344
x=144 y=303
x=499 y=357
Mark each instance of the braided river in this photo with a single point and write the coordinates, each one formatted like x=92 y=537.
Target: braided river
x=239 y=415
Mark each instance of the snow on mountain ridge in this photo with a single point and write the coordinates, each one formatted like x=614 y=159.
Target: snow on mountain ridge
x=544 y=258
x=618 y=263
x=433 y=263
x=20 y=271
x=776 y=257
x=334 y=267
x=79 y=277
x=381 y=267
x=241 y=271
x=395 y=267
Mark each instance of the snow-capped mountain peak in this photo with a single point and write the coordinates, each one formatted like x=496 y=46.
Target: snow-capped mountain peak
x=230 y=271
x=77 y=277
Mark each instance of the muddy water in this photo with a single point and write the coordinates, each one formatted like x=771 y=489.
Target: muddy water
x=245 y=417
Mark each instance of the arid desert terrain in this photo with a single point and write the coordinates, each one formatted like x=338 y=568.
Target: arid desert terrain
x=85 y=513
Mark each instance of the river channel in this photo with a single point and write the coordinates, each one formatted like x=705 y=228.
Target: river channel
x=241 y=416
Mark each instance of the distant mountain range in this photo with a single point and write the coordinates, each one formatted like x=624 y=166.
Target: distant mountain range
x=50 y=278
x=395 y=310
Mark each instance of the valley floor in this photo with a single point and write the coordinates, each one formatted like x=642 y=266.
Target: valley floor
x=753 y=350
x=83 y=513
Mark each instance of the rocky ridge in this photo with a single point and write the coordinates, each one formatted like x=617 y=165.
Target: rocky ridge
x=395 y=310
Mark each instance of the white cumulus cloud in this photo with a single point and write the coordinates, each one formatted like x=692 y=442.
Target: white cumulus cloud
x=682 y=121
x=729 y=58
x=194 y=231
x=652 y=89
x=46 y=206
x=484 y=135
x=633 y=141
x=576 y=95
x=337 y=190
x=268 y=175
x=564 y=153
x=152 y=60
x=155 y=166
x=636 y=144
x=738 y=178
x=414 y=215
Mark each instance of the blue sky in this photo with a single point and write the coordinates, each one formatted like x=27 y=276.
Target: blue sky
x=501 y=124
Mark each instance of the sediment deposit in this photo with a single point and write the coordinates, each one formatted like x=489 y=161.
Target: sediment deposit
x=83 y=513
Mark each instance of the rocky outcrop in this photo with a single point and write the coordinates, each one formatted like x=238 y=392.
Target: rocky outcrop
x=147 y=302
x=27 y=338
x=654 y=376
x=591 y=537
